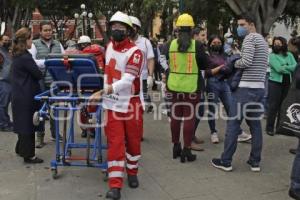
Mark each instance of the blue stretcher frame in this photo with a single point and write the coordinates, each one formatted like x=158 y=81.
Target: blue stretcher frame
x=69 y=70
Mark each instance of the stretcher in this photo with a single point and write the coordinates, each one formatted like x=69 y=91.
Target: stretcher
x=75 y=78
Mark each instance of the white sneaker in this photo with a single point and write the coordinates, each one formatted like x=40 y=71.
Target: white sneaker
x=214 y=138
x=164 y=112
x=244 y=137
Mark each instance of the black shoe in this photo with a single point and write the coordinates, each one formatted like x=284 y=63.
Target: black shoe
x=34 y=160
x=7 y=129
x=270 y=133
x=294 y=194
x=217 y=163
x=114 y=193
x=133 y=181
x=254 y=166
x=84 y=134
x=92 y=133
x=176 y=150
x=150 y=109
x=187 y=154
x=293 y=151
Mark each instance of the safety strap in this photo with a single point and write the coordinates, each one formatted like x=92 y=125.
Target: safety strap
x=67 y=63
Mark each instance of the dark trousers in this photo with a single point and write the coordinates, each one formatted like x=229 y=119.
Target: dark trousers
x=183 y=110
x=145 y=92
x=277 y=93
x=25 y=146
x=5 y=98
x=41 y=127
x=247 y=104
x=217 y=89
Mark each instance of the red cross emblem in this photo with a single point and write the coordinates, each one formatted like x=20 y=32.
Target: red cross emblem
x=111 y=72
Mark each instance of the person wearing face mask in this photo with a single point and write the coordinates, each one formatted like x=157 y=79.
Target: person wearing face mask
x=149 y=63
x=248 y=97
x=40 y=49
x=217 y=87
x=5 y=86
x=123 y=103
x=282 y=65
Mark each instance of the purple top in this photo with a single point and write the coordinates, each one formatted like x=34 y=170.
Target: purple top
x=214 y=60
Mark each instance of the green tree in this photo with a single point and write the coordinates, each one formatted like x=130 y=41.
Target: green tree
x=59 y=12
x=16 y=13
x=266 y=12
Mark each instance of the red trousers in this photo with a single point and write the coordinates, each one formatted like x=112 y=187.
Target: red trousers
x=183 y=110
x=124 y=133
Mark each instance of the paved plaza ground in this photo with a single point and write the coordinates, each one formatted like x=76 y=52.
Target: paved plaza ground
x=161 y=177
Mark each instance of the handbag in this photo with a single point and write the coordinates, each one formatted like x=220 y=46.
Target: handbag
x=289 y=122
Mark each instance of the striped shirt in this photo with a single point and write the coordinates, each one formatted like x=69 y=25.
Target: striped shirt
x=254 y=61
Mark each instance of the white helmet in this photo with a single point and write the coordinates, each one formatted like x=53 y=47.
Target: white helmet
x=121 y=17
x=84 y=39
x=135 y=21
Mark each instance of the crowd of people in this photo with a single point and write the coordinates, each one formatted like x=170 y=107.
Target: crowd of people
x=249 y=75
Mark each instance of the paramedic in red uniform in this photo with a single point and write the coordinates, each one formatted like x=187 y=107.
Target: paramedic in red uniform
x=123 y=103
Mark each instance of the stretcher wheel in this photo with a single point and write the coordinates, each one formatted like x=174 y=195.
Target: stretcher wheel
x=54 y=173
x=36 y=119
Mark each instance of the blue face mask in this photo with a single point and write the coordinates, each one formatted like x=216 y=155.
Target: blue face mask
x=229 y=41
x=242 y=31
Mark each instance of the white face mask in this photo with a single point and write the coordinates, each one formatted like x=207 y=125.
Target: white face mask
x=229 y=41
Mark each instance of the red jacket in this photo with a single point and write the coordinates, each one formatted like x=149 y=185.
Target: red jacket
x=98 y=51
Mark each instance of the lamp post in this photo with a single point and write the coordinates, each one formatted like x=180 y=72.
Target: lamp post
x=84 y=15
x=90 y=16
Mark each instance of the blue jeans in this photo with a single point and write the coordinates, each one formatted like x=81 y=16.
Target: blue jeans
x=5 y=98
x=217 y=89
x=295 y=177
x=247 y=104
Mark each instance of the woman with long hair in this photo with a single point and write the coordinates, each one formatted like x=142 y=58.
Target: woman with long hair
x=25 y=76
x=185 y=83
x=282 y=65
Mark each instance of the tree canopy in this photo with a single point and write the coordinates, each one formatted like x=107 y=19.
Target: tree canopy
x=213 y=12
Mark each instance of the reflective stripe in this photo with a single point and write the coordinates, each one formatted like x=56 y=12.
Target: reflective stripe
x=116 y=164
x=174 y=60
x=130 y=166
x=115 y=174
x=190 y=63
x=133 y=158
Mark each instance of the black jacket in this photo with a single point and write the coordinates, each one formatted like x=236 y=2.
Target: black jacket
x=297 y=77
x=25 y=76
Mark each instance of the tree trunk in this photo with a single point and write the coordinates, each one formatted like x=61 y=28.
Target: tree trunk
x=14 y=19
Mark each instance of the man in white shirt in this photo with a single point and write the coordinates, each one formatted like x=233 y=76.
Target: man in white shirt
x=148 y=66
x=40 y=49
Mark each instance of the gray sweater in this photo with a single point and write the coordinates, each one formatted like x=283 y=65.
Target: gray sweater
x=254 y=61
